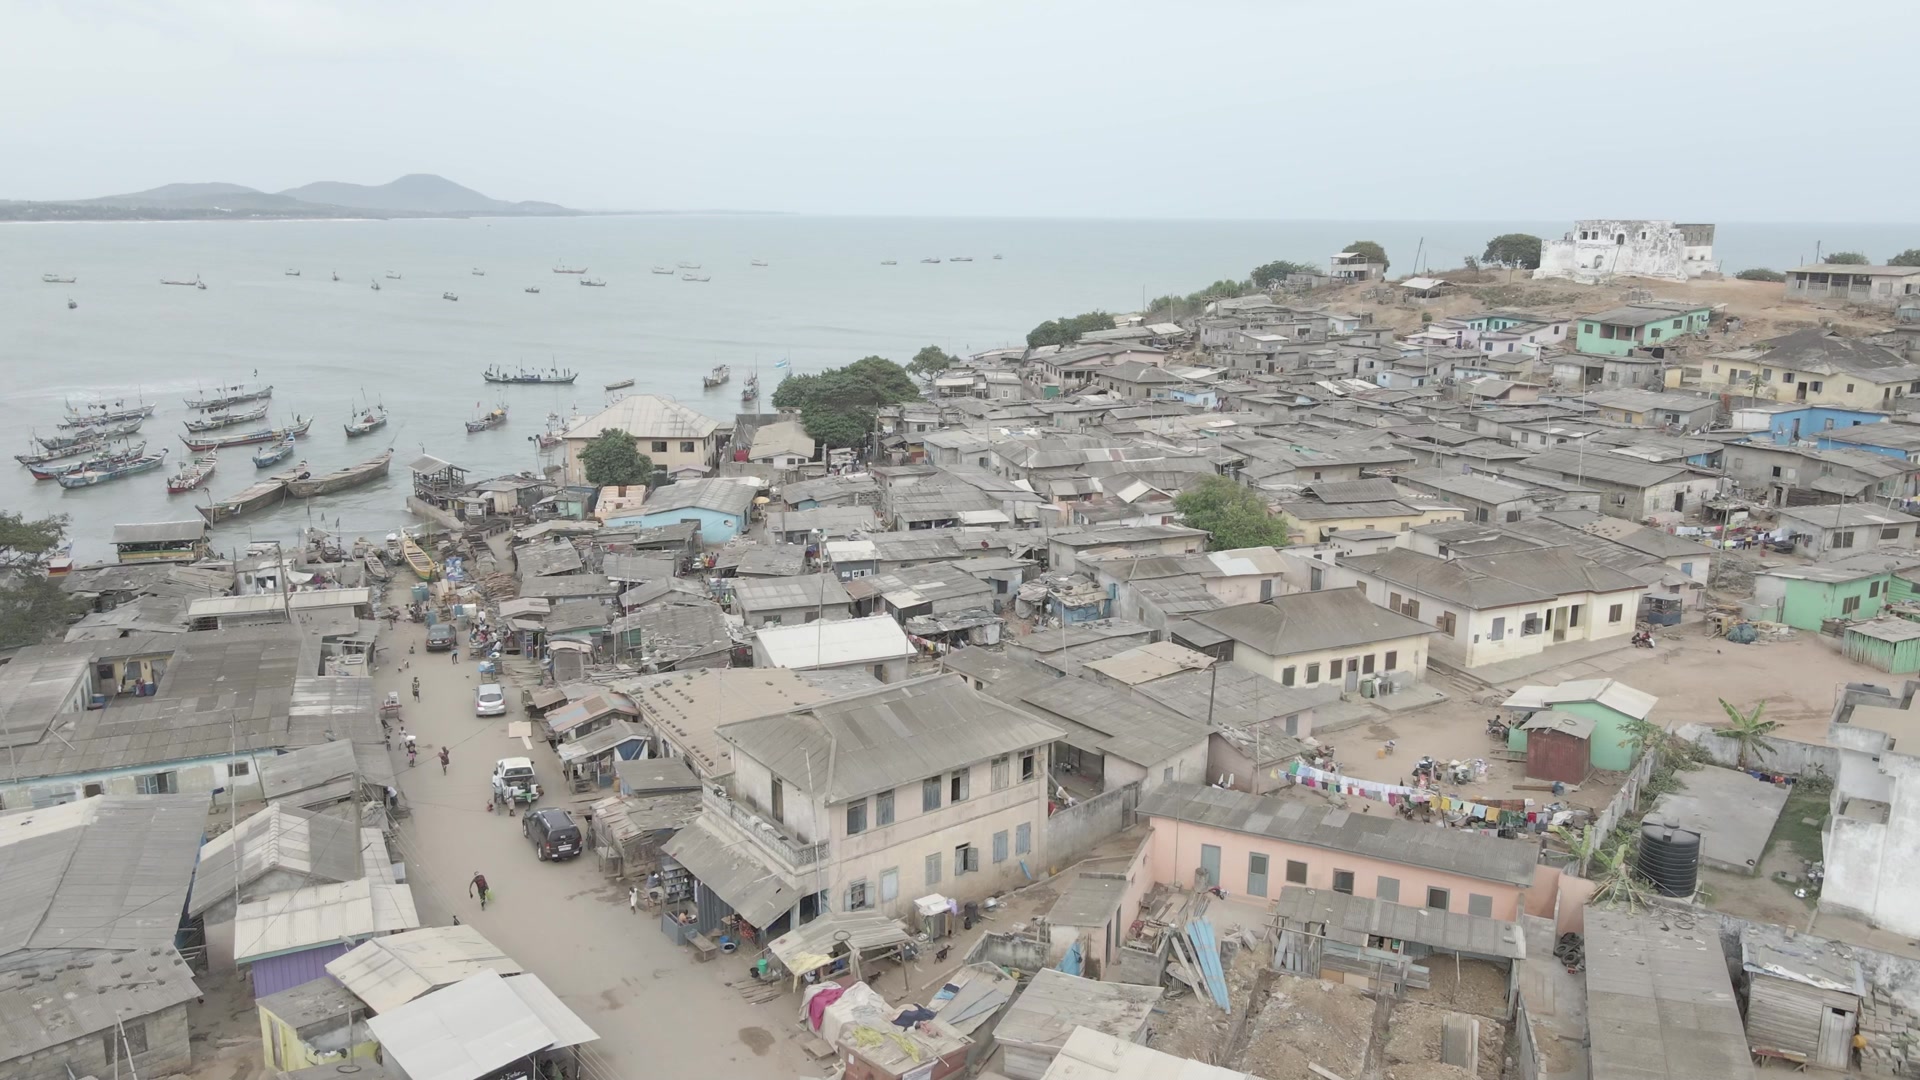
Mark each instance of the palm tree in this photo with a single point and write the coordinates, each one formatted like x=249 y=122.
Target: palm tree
x=1748 y=731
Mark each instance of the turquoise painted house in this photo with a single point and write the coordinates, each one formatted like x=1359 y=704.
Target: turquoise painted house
x=1890 y=644
x=1609 y=703
x=1638 y=326
x=1803 y=597
x=722 y=507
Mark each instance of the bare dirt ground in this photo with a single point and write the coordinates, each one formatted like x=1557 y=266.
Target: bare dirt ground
x=1414 y=1033
x=1308 y=1021
x=1470 y=986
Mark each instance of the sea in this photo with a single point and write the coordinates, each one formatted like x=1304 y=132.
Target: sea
x=823 y=298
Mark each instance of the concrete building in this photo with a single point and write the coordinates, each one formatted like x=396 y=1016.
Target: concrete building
x=870 y=800
x=670 y=434
x=1871 y=841
x=1110 y=738
x=685 y=709
x=785 y=445
x=1254 y=845
x=1336 y=637
x=1842 y=283
x=1816 y=366
x=1600 y=249
x=1652 y=408
x=1648 y=325
x=1631 y=488
x=875 y=644
x=787 y=600
x=1833 y=532
x=1350 y=266
x=721 y=506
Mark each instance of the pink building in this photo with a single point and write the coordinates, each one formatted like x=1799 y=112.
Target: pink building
x=1253 y=845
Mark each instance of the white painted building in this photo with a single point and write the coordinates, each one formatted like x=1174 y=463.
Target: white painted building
x=1600 y=249
x=1871 y=842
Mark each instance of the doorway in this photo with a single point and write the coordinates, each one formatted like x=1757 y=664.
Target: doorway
x=1836 y=1038
x=1557 y=620
x=1209 y=866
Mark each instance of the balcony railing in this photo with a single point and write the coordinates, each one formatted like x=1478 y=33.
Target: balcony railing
x=767 y=833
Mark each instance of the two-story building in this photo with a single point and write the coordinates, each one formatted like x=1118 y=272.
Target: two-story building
x=1883 y=286
x=868 y=801
x=1306 y=639
x=1817 y=366
x=1647 y=325
x=670 y=434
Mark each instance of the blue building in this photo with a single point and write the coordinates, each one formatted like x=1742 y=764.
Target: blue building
x=1901 y=441
x=722 y=507
x=1814 y=421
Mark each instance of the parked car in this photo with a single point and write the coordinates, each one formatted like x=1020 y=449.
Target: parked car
x=441 y=636
x=489 y=700
x=513 y=781
x=553 y=833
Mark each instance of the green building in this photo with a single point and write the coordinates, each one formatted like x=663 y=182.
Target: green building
x=1609 y=703
x=1638 y=326
x=1891 y=644
x=1804 y=597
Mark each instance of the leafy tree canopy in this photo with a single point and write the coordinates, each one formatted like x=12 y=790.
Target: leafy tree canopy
x=1513 y=249
x=1234 y=515
x=1846 y=258
x=839 y=405
x=33 y=607
x=1067 y=330
x=1373 y=252
x=1275 y=272
x=1760 y=273
x=612 y=458
x=1909 y=257
x=930 y=361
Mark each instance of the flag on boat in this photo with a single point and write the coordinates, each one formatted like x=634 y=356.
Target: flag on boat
x=781 y=363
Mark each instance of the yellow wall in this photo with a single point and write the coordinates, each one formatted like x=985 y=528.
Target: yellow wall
x=1310 y=532
x=295 y=1054
x=1833 y=388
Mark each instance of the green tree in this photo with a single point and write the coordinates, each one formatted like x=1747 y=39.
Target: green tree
x=1761 y=273
x=1234 y=516
x=1374 y=252
x=1067 y=329
x=1225 y=287
x=1513 y=249
x=1909 y=257
x=839 y=405
x=613 y=459
x=33 y=606
x=792 y=391
x=1846 y=258
x=1276 y=272
x=930 y=361
x=1748 y=731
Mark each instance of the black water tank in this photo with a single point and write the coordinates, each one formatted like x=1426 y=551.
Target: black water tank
x=1670 y=858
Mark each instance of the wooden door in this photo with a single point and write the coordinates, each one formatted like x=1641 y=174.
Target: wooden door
x=1836 y=1038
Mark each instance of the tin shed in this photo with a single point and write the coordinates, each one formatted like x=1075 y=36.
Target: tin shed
x=1803 y=997
x=1890 y=644
x=1558 y=746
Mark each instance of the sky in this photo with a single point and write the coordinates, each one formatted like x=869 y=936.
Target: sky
x=1698 y=110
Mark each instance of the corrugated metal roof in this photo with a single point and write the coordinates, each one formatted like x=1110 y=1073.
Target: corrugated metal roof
x=1612 y=693
x=780 y=593
x=736 y=871
x=835 y=641
x=1375 y=836
x=1107 y=720
x=1352 y=918
x=785 y=438
x=566 y=1027
x=551 y=557
x=464 y=1032
x=1054 y=1004
x=318 y=914
x=1298 y=622
x=817 y=943
x=277 y=838
x=1660 y=1003
x=110 y=872
x=387 y=972
x=1091 y=1055
x=68 y=995
x=646 y=416
x=722 y=496
x=159 y=531
x=687 y=707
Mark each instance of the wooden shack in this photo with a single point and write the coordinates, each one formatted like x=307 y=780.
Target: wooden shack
x=1558 y=746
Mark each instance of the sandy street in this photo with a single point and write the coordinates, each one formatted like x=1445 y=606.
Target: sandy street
x=657 y=1012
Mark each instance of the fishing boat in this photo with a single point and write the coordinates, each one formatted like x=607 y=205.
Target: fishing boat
x=376 y=286
x=531 y=289
x=933 y=261
x=960 y=258
x=224 y=396
x=492 y=418
x=661 y=270
x=749 y=394
x=598 y=283
x=696 y=277
x=306 y=487
x=220 y=420
x=56 y=279
x=393 y=275
x=248 y=438
x=719 y=376
x=996 y=258
x=90 y=477
x=552 y=437
x=376 y=567
x=98 y=461
x=254 y=497
x=417 y=559
x=477 y=272
x=758 y=262
x=621 y=385
x=98 y=415
x=371 y=419
x=689 y=266
x=275 y=454
x=563 y=268
x=336 y=275
x=71 y=304
x=448 y=296
x=291 y=273
x=72 y=443
x=195 y=282
x=93 y=444
x=195 y=473
x=889 y=262
x=530 y=376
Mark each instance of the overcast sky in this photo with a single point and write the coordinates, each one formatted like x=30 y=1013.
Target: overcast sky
x=1488 y=110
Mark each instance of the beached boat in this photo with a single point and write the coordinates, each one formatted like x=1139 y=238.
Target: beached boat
x=275 y=454
x=257 y=496
x=90 y=477
x=661 y=270
x=696 y=277
x=72 y=443
x=248 y=438
x=224 y=396
x=417 y=559
x=371 y=419
x=377 y=568
x=105 y=460
x=719 y=376
x=194 y=473
x=563 y=268
x=102 y=415
x=594 y=283
x=493 y=418
x=219 y=420
x=306 y=487
x=530 y=376
x=56 y=279
x=621 y=385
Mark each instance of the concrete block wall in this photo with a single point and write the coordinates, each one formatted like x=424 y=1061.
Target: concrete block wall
x=167 y=1052
x=1072 y=832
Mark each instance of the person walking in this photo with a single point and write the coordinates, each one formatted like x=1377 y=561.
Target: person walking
x=479 y=886
x=445 y=757
x=456 y=654
x=633 y=899
x=416 y=688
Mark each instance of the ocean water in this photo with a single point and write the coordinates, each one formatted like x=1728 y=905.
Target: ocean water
x=823 y=299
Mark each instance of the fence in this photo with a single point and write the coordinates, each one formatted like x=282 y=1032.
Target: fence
x=1624 y=802
x=1075 y=830
x=1787 y=756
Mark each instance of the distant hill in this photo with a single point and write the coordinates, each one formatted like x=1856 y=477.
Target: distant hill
x=416 y=195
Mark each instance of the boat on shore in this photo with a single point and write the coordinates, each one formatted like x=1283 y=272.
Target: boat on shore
x=530 y=376
x=85 y=436
x=596 y=283
x=56 y=279
x=248 y=438
x=696 y=277
x=220 y=420
x=306 y=487
x=195 y=472
x=417 y=559
x=371 y=419
x=223 y=396
x=719 y=376
x=99 y=461
x=275 y=454
x=661 y=270
x=90 y=477
x=492 y=418
x=254 y=497
x=563 y=268
x=99 y=415
x=621 y=385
